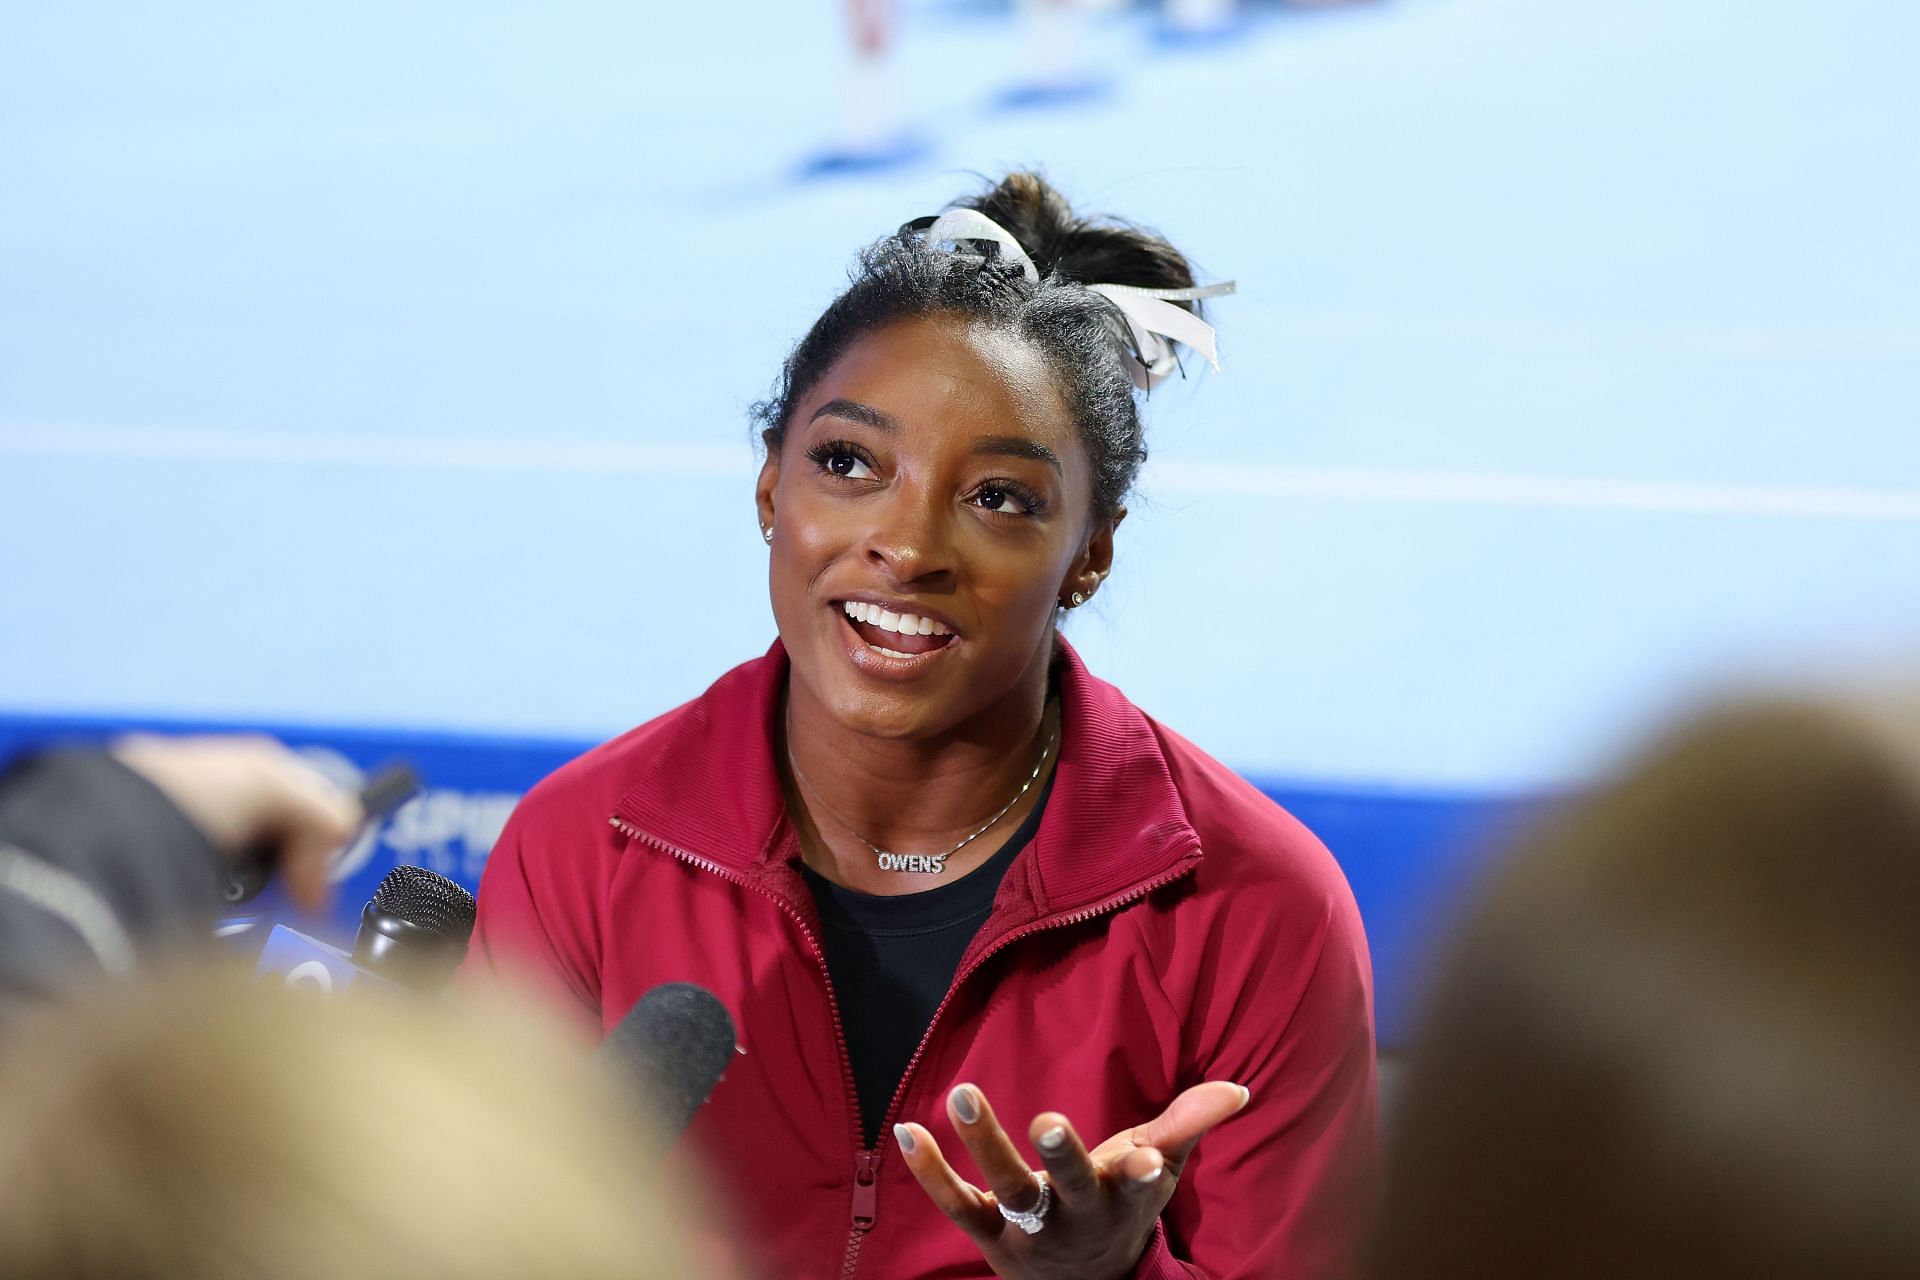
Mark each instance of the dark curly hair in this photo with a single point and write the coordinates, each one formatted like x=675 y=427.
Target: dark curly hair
x=903 y=277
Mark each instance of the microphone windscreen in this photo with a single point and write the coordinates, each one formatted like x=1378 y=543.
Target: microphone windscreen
x=431 y=903
x=673 y=1045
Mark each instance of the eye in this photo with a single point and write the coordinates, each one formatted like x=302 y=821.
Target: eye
x=847 y=464
x=837 y=457
x=1007 y=499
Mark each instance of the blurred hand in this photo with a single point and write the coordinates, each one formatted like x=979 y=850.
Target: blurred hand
x=243 y=791
x=1103 y=1203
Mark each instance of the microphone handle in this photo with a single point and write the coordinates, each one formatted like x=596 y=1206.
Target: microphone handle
x=390 y=787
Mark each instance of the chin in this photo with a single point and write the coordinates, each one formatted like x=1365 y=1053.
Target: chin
x=893 y=714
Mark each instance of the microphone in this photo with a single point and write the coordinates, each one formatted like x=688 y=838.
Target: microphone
x=385 y=792
x=415 y=930
x=673 y=1045
x=413 y=934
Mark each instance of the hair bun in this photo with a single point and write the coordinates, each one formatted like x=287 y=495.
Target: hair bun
x=1093 y=249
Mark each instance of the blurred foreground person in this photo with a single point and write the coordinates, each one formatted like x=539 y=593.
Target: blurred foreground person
x=1681 y=1038
x=108 y=857
x=207 y=1127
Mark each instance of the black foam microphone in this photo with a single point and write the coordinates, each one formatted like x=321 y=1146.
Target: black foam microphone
x=414 y=932
x=673 y=1045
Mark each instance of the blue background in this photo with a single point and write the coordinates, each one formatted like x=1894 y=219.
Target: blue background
x=377 y=374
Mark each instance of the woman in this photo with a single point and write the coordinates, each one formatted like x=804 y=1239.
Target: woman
x=935 y=867
x=1680 y=1036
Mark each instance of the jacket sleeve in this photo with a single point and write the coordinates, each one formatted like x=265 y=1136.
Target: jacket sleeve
x=1285 y=1188
x=97 y=868
x=535 y=922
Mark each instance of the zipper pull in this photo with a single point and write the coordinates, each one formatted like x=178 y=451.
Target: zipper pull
x=866 y=1191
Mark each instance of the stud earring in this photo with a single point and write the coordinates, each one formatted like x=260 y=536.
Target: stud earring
x=766 y=532
x=1078 y=600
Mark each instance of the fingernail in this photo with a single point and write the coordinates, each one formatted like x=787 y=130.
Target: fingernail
x=903 y=1136
x=1152 y=1175
x=1246 y=1095
x=1053 y=1139
x=963 y=1104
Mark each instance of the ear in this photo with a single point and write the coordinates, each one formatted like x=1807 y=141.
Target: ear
x=763 y=489
x=1091 y=567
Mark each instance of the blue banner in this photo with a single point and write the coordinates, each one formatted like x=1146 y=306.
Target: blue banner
x=1409 y=857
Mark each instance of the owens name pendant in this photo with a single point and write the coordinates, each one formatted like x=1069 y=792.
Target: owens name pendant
x=926 y=864
x=922 y=864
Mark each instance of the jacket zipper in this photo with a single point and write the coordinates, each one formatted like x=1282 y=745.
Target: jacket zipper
x=866 y=1163
x=866 y=1195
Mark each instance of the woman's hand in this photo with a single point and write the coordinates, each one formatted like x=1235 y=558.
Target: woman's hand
x=1103 y=1203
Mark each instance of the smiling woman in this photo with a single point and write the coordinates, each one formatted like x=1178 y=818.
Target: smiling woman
x=928 y=859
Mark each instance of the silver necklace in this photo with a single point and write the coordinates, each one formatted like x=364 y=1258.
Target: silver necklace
x=931 y=864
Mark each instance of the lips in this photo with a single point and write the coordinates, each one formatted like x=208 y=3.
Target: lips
x=896 y=633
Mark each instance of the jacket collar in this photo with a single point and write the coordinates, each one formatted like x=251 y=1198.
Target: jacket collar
x=1114 y=823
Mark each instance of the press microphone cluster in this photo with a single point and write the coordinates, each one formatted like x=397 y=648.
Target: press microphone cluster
x=413 y=934
x=669 y=1051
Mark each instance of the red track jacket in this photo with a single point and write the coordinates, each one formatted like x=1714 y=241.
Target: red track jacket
x=1167 y=925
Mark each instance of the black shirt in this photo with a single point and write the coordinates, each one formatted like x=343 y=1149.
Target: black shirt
x=892 y=959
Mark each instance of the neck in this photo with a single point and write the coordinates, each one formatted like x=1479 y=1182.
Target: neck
x=913 y=795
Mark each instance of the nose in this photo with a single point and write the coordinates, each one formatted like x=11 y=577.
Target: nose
x=911 y=539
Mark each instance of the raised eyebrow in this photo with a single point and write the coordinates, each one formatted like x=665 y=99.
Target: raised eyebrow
x=1017 y=447
x=854 y=411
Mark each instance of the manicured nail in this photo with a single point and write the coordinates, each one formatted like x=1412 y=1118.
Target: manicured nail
x=1246 y=1095
x=1152 y=1175
x=963 y=1104
x=903 y=1136
x=1053 y=1139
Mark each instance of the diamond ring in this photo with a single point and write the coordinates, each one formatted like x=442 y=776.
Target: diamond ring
x=1033 y=1219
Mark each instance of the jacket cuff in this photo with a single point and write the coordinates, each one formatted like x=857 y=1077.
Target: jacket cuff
x=1158 y=1262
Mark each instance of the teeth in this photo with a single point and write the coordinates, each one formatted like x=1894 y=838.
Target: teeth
x=906 y=624
x=891 y=653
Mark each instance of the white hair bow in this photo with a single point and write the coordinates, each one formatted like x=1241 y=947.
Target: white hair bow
x=1152 y=324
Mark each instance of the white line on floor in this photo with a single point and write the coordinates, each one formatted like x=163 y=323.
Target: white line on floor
x=1460 y=488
